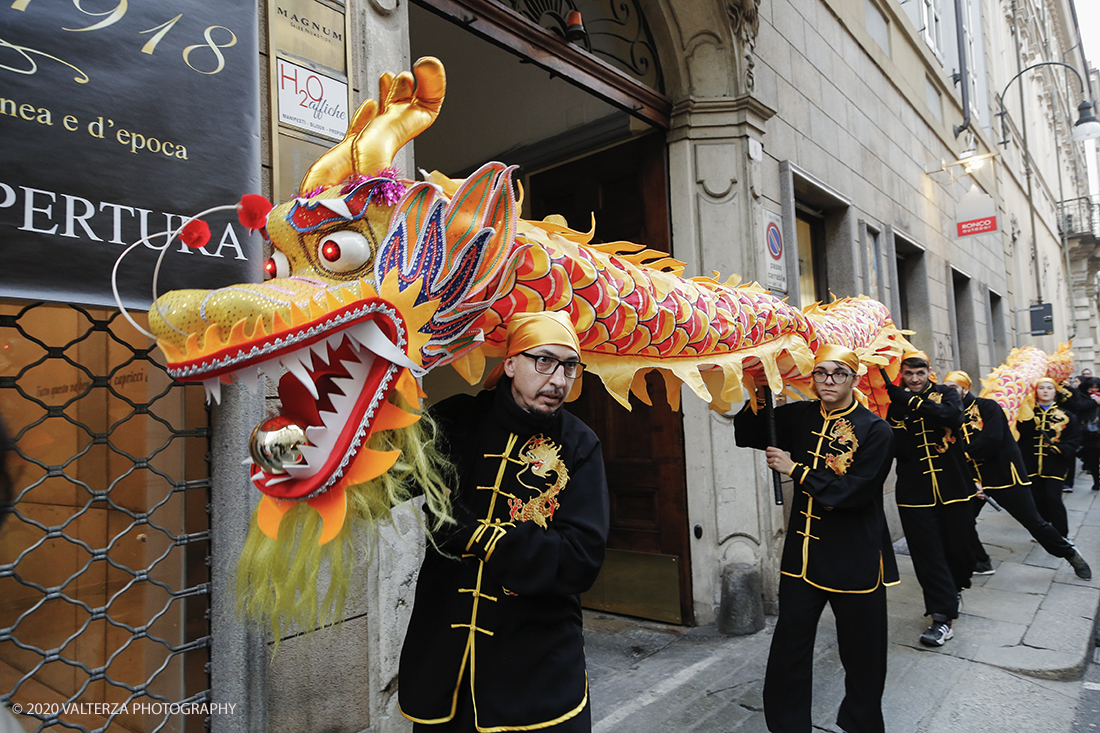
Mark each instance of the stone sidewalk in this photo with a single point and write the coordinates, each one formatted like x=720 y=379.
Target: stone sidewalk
x=1021 y=646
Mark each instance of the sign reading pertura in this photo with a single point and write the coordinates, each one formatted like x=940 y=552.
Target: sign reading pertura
x=119 y=123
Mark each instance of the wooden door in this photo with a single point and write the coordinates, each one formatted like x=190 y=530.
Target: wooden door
x=647 y=572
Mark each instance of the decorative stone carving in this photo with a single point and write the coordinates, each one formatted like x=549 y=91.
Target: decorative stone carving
x=384 y=7
x=744 y=18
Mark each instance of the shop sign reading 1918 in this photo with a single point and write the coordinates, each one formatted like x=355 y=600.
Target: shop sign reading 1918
x=120 y=119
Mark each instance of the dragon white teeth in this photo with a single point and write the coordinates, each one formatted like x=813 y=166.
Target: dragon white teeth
x=305 y=356
x=320 y=350
x=277 y=480
x=301 y=470
x=298 y=369
x=213 y=387
x=249 y=377
x=370 y=336
x=343 y=404
x=314 y=454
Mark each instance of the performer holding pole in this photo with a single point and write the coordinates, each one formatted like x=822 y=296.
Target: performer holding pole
x=997 y=465
x=769 y=415
x=933 y=491
x=837 y=549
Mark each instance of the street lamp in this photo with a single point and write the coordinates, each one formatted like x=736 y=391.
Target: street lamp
x=1087 y=126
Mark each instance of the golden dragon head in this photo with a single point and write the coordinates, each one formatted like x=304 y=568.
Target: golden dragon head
x=373 y=281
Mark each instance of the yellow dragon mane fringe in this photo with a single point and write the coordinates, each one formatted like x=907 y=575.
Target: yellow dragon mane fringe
x=277 y=580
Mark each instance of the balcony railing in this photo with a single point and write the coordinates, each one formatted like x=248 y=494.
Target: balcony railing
x=1081 y=216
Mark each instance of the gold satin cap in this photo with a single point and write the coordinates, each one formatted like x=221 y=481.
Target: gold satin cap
x=916 y=354
x=960 y=378
x=832 y=352
x=527 y=331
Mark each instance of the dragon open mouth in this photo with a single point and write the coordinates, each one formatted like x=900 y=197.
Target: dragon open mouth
x=338 y=374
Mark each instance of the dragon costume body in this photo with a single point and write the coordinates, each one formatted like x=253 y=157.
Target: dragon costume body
x=1012 y=384
x=377 y=280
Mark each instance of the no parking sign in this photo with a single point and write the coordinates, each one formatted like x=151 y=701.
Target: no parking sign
x=776 y=256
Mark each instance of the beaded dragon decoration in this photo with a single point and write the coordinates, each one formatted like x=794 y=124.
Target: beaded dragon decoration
x=375 y=281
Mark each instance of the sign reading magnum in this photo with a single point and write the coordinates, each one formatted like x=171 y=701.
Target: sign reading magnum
x=120 y=122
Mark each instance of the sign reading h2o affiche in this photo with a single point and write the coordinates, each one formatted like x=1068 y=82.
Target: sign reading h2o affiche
x=312 y=101
x=776 y=259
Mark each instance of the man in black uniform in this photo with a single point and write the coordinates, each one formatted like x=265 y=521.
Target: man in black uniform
x=998 y=467
x=837 y=549
x=933 y=489
x=495 y=640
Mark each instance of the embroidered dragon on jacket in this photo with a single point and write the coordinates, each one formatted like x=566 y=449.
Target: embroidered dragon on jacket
x=542 y=457
x=842 y=438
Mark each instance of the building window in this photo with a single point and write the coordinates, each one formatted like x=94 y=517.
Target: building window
x=933 y=98
x=913 y=309
x=997 y=336
x=965 y=336
x=877 y=282
x=878 y=26
x=932 y=31
x=813 y=279
x=972 y=22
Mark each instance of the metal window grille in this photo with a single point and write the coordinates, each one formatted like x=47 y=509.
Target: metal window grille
x=104 y=571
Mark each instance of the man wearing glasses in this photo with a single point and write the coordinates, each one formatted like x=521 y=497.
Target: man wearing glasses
x=933 y=491
x=837 y=548
x=494 y=642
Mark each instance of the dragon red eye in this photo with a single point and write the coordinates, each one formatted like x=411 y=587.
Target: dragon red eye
x=343 y=251
x=277 y=266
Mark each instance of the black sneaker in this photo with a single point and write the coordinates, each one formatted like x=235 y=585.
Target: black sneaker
x=937 y=634
x=1084 y=572
x=1067 y=489
x=984 y=567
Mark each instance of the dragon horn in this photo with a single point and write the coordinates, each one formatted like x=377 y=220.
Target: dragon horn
x=410 y=102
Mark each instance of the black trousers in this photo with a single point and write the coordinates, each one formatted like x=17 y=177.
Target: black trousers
x=861 y=641
x=1089 y=454
x=463 y=721
x=941 y=545
x=1047 y=493
x=1018 y=502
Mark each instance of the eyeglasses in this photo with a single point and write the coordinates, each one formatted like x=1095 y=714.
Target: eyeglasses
x=549 y=365
x=821 y=377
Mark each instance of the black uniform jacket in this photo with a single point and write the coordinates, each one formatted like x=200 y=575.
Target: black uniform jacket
x=995 y=459
x=931 y=468
x=498 y=597
x=1049 y=442
x=837 y=538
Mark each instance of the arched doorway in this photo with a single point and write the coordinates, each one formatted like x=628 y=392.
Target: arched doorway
x=589 y=137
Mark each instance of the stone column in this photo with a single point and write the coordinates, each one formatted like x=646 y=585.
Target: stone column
x=716 y=220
